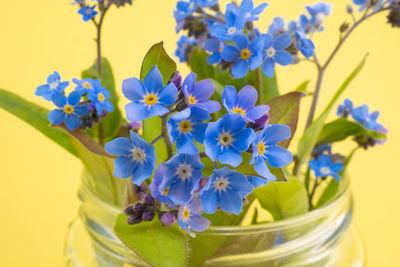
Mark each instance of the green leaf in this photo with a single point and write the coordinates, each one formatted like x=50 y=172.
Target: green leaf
x=152 y=242
x=302 y=88
x=112 y=122
x=199 y=65
x=151 y=130
x=342 y=128
x=310 y=137
x=284 y=110
x=36 y=116
x=283 y=199
x=270 y=88
x=329 y=192
x=158 y=56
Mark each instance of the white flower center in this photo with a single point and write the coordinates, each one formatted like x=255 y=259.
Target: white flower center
x=231 y=30
x=138 y=154
x=325 y=170
x=271 y=52
x=248 y=15
x=221 y=184
x=184 y=171
x=53 y=85
x=88 y=11
x=225 y=139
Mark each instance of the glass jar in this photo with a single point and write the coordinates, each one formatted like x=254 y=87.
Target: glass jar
x=323 y=237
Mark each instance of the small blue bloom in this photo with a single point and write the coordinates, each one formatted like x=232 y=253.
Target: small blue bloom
x=136 y=158
x=243 y=102
x=186 y=126
x=54 y=84
x=215 y=46
x=317 y=13
x=257 y=181
x=68 y=110
x=100 y=97
x=226 y=138
x=275 y=52
x=277 y=26
x=149 y=98
x=87 y=12
x=189 y=216
x=187 y=8
x=364 y=4
x=207 y=3
x=247 y=12
x=197 y=94
x=324 y=167
x=84 y=85
x=345 y=109
x=154 y=187
x=225 y=189
x=228 y=30
x=244 y=55
x=305 y=45
x=265 y=148
x=322 y=149
x=184 y=47
x=182 y=177
x=362 y=115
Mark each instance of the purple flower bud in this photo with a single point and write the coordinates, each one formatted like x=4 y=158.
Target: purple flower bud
x=148 y=215
x=260 y=123
x=91 y=106
x=134 y=219
x=135 y=125
x=168 y=219
x=129 y=210
x=349 y=9
x=139 y=208
x=176 y=78
x=148 y=199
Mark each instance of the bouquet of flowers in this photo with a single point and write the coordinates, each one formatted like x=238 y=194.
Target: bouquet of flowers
x=203 y=150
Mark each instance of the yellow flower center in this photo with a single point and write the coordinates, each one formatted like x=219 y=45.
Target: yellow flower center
x=192 y=100
x=220 y=49
x=101 y=97
x=325 y=170
x=166 y=191
x=87 y=85
x=261 y=148
x=68 y=109
x=245 y=54
x=238 y=110
x=185 y=214
x=150 y=99
x=185 y=126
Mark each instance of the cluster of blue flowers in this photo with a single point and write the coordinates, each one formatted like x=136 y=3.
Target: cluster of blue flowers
x=234 y=42
x=70 y=109
x=179 y=181
x=325 y=163
x=89 y=11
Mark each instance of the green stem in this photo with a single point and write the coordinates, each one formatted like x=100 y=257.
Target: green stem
x=258 y=75
x=165 y=135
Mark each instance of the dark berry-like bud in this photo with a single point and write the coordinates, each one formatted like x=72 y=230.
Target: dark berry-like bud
x=260 y=123
x=134 y=219
x=139 y=208
x=176 y=79
x=349 y=9
x=344 y=27
x=148 y=199
x=168 y=219
x=148 y=215
x=129 y=210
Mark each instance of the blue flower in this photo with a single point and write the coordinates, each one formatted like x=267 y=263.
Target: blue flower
x=247 y=12
x=305 y=45
x=225 y=189
x=229 y=29
x=243 y=103
x=149 y=98
x=189 y=216
x=87 y=12
x=100 y=97
x=186 y=126
x=197 y=94
x=362 y=115
x=84 y=85
x=345 y=109
x=53 y=84
x=226 y=138
x=136 y=158
x=186 y=8
x=154 y=187
x=322 y=149
x=265 y=148
x=257 y=181
x=68 y=110
x=324 y=167
x=275 y=52
x=317 y=13
x=244 y=55
x=277 y=26
x=184 y=47
x=207 y=3
x=215 y=46
x=364 y=4
x=182 y=177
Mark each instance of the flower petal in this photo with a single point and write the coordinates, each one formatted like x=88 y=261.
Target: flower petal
x=269 y=67
x=230 y=53
x=72 y=121
x=133 y=89
x=136 y=111
x=230 y=156
x=120 y=146
x=56 y=116
x=74 y=98
x=168 y=94
x=282 y=41
x=203 y=90
x=153 y=80
x=229 y=97
x=261 y=168
x=123 y=167
x=231 y=201
x=240 y=69
x=277 y=156
x=240 y=40
x=275 y=133
x=257 y=112
x=247 y=97
x=59 y=99
x=284 y=58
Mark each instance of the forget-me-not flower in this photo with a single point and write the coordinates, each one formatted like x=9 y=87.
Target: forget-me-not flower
x=274 y=48
x=149 y=98
x=277 y=26
x=158 y=179
x=87 y=12
x=100 y=97
x=189 y=216
x=243 y=102
x=345 y=109
x=265 y=148
x=68 y=110
x=225 y=31
x=182 y=177
x=85 y=85
x=364 y=4
x=54 y=84
x=198 y=94
x=247 y=12
x=244 y=54
x=225 y=189
x=362 y=115
x=136 y=157
x=257 y=181
x=186 y=126
x=226 y=138
x=215 y=46
x=323 y=166
x=184 y=43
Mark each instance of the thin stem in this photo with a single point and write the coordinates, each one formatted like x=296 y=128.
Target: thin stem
x=165 y=135
x=155 y=140
x=259 y=83
x=316 y=183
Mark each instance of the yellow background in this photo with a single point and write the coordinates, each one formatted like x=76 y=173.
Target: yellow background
x=39 y=179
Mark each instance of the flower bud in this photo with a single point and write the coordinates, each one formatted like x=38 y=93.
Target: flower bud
x=176 y=79
x=148 y=199
x=129 y=210
x=349 y=9
x=134 y=219
x=148 y=215
x=168 y=219
x=139 y=208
